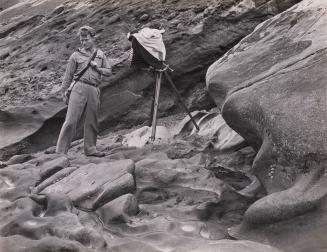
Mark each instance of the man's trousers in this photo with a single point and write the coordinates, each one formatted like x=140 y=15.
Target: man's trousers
x=84 y=101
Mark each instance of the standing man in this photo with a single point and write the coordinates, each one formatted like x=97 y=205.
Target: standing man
x=85 y=93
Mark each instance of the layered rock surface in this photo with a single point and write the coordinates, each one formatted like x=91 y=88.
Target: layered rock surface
x=40 y=199
x=271 y=89
x=37 y=37
x=31 y=127
x=155 y=198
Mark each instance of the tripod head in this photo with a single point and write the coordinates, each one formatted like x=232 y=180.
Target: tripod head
x=152 y=69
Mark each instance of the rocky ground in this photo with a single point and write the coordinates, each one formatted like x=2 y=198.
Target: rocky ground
x=178 y=195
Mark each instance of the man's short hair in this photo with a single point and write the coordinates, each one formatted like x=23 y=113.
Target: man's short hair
x=85 y=30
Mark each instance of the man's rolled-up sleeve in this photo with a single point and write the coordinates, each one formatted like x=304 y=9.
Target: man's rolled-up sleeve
x=69 y=74
x=105 y=63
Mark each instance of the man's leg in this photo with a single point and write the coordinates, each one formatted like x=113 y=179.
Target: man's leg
x=75 y=109
x=91 y=121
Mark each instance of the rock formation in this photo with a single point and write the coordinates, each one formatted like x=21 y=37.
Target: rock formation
x=271 y=89
x=149 y=199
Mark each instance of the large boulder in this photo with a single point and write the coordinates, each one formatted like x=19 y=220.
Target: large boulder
x=271 y=89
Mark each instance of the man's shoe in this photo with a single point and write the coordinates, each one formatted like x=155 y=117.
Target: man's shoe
x=96 y=154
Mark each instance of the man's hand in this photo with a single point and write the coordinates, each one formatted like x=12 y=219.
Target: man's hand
x=94 y=65
x=101 y=70
x=65 y=96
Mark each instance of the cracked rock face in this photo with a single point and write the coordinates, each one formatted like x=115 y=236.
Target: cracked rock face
x=272 y=90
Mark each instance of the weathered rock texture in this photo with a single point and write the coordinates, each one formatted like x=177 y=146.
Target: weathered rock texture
x=39 y=200
x=119 y=210
x=168 y=200
x=37 y=37
x=93 y=185
x=30 y=127
x=272 y=89
x=212 y=126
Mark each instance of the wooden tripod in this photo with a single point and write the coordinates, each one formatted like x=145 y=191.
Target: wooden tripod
x=155 y=101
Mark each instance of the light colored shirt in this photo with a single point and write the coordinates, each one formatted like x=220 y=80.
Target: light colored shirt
x=78 y=61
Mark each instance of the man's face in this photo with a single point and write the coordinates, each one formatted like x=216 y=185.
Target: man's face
x=87 y=41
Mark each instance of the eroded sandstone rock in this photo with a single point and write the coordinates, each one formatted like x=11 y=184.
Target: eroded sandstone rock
x=176 y=201
x=119 y=209
x=18 y=159
x=271 y=89
x=93 y=185
x=36 y=222
x=23 y=126
x=212 y=126
x=51 y=167
x=38 y=198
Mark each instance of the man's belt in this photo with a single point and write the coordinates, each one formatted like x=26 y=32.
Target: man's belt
x=88 y=83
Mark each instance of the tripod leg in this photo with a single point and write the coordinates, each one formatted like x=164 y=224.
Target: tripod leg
x=181 y=100
x=152 y=102
x=155 y=107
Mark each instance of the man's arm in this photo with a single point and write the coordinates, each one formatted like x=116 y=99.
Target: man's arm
x=104 y=69
x=69 y=74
